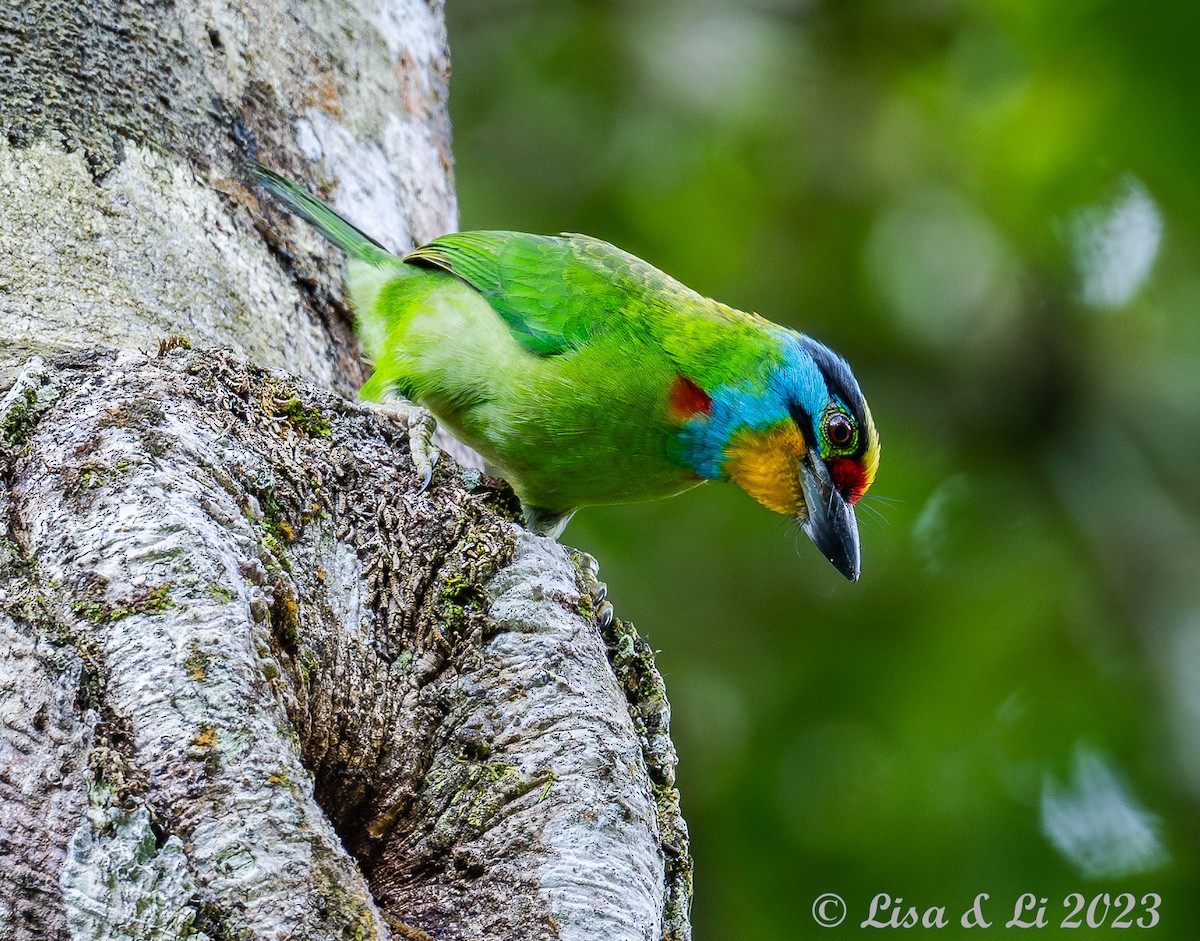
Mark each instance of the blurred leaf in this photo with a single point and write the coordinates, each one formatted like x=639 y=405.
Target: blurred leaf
x=990 y=207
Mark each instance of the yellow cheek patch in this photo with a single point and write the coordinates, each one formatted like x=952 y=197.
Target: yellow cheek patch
x=766 y=464
x=870 y=460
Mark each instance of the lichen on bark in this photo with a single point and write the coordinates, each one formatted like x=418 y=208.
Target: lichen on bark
x=253 y=589
x=253 y=681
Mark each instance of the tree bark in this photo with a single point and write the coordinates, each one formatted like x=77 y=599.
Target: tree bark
x=253 y=683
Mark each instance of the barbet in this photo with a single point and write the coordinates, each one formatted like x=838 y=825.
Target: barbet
x=584 y=375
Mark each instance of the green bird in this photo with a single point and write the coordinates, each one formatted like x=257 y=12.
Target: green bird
x=584 y=376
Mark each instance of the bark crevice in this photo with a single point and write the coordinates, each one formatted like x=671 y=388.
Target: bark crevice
x=251 y=681
x=251 y=588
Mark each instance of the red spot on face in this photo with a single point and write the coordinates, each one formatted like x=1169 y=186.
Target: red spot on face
x=687 y=399
x=849 y=477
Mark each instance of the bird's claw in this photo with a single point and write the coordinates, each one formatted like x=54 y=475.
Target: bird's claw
x=426 y=479
x=598 y=591
x=420 y=426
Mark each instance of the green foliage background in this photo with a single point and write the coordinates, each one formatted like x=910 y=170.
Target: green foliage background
x=914 y=182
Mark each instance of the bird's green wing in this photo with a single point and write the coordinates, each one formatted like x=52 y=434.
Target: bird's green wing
x=554 y=293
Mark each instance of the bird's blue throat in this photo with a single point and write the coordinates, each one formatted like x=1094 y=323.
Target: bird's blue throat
x=755 y=405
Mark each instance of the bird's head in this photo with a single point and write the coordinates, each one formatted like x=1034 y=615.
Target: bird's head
x=806 y=446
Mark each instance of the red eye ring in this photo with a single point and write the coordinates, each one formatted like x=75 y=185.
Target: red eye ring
x=839 y=429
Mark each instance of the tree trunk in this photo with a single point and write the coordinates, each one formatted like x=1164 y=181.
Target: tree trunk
x=253 y=684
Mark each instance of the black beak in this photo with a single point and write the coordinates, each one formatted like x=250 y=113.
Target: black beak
x=830 y=524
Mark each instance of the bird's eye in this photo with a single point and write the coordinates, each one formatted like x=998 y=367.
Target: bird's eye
x=839 y=430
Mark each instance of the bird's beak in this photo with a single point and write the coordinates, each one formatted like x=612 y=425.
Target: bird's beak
x=830 y=524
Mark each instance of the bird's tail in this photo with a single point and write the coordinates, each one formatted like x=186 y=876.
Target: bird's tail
x=355 y=242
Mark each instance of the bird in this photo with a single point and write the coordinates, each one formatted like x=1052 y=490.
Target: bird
x=585 y=376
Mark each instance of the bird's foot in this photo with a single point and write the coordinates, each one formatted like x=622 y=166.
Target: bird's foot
x=598 y=591
x=551 y=524
x=420 y=425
